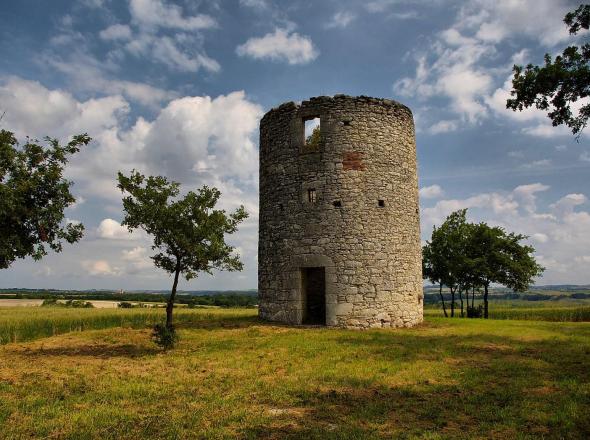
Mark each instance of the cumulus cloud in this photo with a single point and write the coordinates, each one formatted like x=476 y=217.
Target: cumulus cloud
x=112 y=230
x=457 y=64
x=431 y=192
x=100 y=268
x=281 y=45
x=33 y=110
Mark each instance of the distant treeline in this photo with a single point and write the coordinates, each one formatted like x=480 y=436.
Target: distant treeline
x=238 y=298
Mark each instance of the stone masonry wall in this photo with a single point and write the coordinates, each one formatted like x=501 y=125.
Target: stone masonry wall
x=371 y=253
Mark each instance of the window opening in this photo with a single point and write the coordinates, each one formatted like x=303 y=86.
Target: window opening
x=337 y=203
x=381 y=203
x=311 y=195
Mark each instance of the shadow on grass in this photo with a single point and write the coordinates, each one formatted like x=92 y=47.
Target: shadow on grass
x=215 y=322
x=95 y=350
x=493 y=387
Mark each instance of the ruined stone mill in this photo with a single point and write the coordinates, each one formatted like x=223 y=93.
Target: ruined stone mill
x=339 y=240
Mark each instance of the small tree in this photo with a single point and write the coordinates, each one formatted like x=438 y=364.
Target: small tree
x=313 y=141
x=188 y=233
x=557 y=84
x=499 y=257
x=33 y=197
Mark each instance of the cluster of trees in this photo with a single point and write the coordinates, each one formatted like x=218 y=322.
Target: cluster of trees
x=465 y=257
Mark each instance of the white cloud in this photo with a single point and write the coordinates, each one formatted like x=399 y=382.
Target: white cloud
x=100 y=268
x=116 y=32
x=281 y=45
x=33 y=110
x=561 y=147
x=155 y=13
x=444 y=126
x=137 y=258
x=341 y=19
x=456 y=66
x=539 y=237
x=431 y=192
x=112 y=230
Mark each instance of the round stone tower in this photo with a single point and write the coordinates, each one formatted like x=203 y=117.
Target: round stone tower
x=339 y=240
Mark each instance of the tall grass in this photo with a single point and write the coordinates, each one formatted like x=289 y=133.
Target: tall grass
x=553 y=314
x=19 y=324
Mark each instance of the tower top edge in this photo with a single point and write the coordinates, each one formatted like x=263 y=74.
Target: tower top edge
x=291 y=106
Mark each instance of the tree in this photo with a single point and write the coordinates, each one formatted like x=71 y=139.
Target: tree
x=499 y=257
x=463 y=256
x=443 y=256
x=188 y=233
x=33 y=197
x=560 y=82
x=312 y=141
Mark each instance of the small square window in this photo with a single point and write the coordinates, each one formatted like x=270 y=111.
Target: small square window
x=311 y=195
x=337 y=203
x=280 y=206
x=381 y=203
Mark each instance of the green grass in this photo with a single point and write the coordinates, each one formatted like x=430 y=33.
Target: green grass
x=19 y=324
x=574 y=311
x=234 y=377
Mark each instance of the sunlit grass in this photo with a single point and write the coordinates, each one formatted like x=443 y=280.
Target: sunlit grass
x=235 y=377
x=18 y=324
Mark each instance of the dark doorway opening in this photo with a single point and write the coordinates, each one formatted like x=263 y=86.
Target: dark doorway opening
x=313 y=285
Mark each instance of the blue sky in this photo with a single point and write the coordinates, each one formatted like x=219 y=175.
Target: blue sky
x=177 y=88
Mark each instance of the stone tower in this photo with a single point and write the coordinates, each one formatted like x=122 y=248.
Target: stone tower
x=339 y=240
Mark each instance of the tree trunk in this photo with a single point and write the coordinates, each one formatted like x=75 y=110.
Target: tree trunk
x=452 y=302
x=473 y=297
x=442 y=298
x=461 y=299
x=170 y=304
x=485 y=301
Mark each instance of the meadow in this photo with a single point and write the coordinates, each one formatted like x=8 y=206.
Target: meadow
x=232 y=376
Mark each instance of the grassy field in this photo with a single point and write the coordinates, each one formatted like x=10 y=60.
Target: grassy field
x=234 y=377
x=537 y=312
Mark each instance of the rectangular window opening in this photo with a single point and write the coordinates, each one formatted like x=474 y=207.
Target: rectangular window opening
x=311 y=133
x=337 y=203
x=381 y=203
x=311 y=195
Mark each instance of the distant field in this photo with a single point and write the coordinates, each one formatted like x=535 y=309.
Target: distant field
x=234 y=377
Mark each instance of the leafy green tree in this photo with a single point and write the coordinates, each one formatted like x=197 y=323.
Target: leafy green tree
x=443 y=259
x=188 y=233
x=313 y=140
x=463 y=256
x=560 y=82
x=33 y=197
